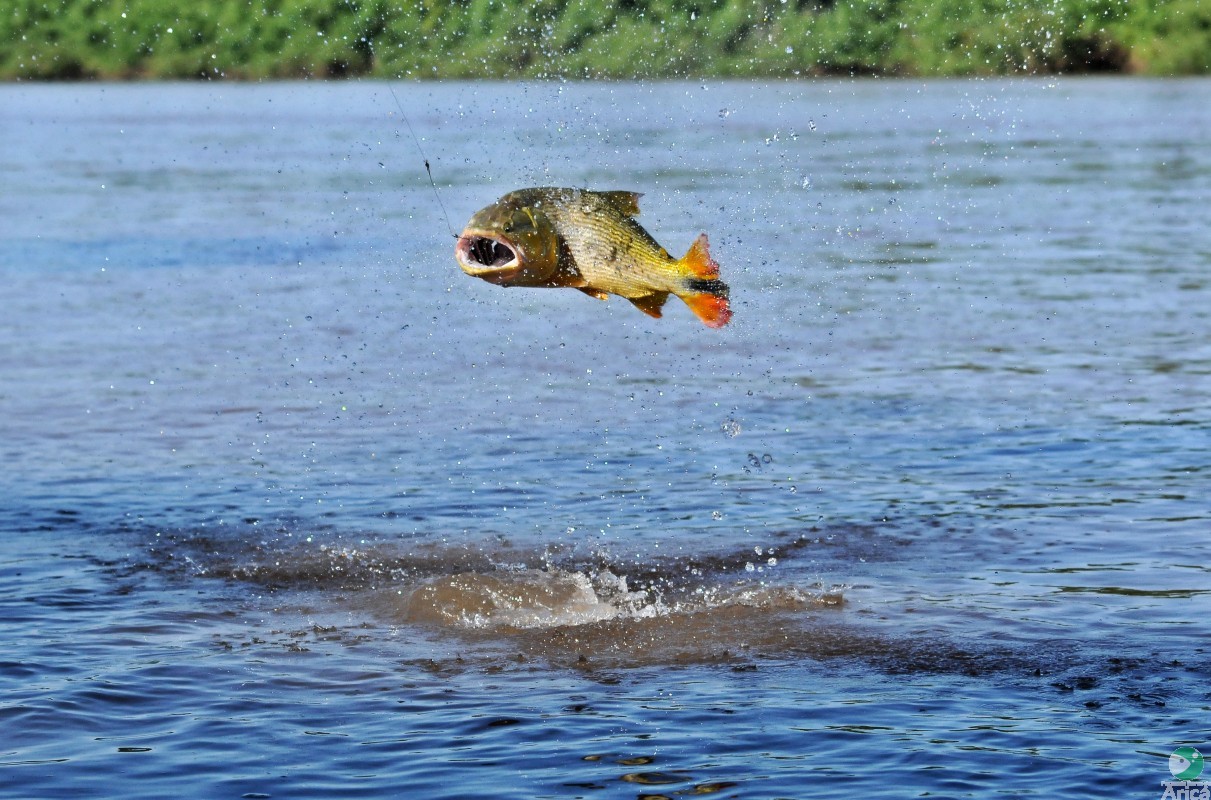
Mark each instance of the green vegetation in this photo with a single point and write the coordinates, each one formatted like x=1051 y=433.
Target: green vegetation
x=67 y=39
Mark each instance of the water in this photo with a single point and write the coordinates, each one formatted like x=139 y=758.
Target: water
x=294 y=508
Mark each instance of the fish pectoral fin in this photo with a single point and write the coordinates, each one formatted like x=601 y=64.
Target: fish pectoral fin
x=650 y=304
x=625 y=203
x=591 y=292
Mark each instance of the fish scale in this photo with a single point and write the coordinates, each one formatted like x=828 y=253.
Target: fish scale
x=614 y=254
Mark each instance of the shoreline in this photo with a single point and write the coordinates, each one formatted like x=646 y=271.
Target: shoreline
x=613 y=40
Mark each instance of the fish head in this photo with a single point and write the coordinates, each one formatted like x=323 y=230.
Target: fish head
x=509 y=243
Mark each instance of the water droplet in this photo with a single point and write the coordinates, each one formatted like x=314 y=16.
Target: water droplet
x=716 y=515
x=730 y=427
x=748 y=567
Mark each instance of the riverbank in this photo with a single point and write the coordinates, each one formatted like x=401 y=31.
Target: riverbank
x=161 y=39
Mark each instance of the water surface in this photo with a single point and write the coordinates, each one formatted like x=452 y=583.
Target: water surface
x=292 y=507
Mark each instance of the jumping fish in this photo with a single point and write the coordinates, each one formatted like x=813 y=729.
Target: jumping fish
x=586 y=240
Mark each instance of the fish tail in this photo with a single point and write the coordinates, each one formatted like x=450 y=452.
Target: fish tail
x=698 y=262
x=704 y=293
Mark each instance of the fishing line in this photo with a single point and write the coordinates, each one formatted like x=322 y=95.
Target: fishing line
x=421 y=150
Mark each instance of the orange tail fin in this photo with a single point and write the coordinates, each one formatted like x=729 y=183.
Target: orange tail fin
x=698 y=262
x=712 y=309
x=704 y=293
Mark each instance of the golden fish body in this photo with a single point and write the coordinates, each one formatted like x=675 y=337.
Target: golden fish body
x=552 y=237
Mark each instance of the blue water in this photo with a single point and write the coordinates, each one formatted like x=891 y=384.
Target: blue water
x=292 y=507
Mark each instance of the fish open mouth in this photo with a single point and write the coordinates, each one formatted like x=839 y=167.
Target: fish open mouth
x=492 y=258
x=489 y=252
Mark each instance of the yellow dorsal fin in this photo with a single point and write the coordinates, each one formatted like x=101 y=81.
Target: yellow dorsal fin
x=625 y=203
x=698 y=262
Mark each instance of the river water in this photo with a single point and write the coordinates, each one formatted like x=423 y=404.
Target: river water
x=294 y=508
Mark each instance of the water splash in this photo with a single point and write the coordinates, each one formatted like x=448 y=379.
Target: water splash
x=526 y=598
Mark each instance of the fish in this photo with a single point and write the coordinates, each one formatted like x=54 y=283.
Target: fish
x=588 y=240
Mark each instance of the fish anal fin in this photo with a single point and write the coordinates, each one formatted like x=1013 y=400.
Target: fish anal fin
x=650 y=304
x=591 y=292
x=697 y=262
x=625 y=203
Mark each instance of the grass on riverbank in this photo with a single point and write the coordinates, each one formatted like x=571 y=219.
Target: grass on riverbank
x=251 y=39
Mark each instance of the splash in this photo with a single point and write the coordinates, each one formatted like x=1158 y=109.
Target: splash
x=527 y=598
x=491 y=599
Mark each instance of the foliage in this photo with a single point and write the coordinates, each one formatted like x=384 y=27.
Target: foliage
x=66 y=39
x=1167 y=37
